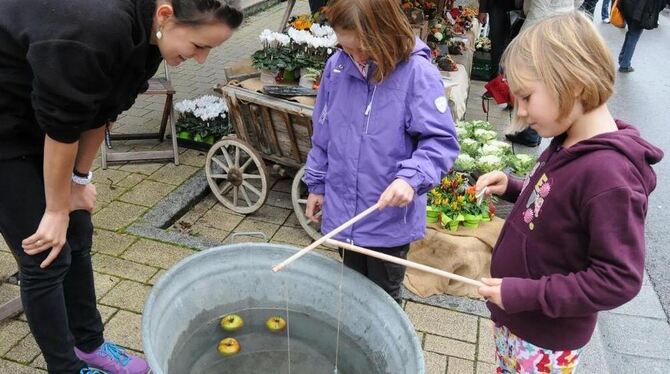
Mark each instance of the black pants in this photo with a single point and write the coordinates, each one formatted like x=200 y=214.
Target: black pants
x=499 y=32
x=386 y=275
x=59 y=301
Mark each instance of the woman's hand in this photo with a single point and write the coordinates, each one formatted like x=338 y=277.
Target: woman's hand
x=495 y=183
x=314 y=205
x=50 y=234
x=82 y=197
x=398 y=193
x=491 y=291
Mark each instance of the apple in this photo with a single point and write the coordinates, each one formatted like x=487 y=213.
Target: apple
x=275 y=324
x=229 y=347
x=232 y=322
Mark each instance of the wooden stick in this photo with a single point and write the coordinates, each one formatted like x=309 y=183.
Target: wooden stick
x=336 y=231
x=407 y=263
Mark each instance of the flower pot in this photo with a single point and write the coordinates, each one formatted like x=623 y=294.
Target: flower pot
x=209 y=139
x=289 y=76
x=432 y=211
x=198 y=138
x=431 y=219
x=485 y=218
x=471 y=221
x=453 y=225
x=268 y=76
x=305 y=79
x=184 y=135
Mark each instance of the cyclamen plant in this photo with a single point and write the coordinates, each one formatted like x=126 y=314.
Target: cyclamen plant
x=204 y=119
x=296 y=49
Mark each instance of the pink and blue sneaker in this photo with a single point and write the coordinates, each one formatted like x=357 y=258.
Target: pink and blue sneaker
x=112 y=359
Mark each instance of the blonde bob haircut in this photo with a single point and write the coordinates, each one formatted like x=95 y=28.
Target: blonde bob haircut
x=381 y=27
x=567 y=54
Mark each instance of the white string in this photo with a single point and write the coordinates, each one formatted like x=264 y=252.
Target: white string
x=339 y=313
x=288 y=327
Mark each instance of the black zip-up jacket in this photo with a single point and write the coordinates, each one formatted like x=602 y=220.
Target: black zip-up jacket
x=69 y=66
x=644 y=13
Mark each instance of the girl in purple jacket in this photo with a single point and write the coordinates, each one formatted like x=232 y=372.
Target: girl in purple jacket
x=573 y=244
x=382 y=133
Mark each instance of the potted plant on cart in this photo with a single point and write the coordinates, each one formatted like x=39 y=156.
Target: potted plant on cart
x=202 y=121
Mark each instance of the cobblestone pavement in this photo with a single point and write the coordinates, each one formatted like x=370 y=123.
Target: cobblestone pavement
x=127 y=265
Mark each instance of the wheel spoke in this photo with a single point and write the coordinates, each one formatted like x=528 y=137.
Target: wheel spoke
x=252 y=176
x=251 y=188
x=245 y=195
x=227 y=156
x=246 y=163
x=224 y=189
x=237 y=156
x=220 y=163
x=235 y=195
x=219 y=176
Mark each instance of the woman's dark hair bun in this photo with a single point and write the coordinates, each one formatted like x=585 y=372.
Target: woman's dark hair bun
x=203 y=11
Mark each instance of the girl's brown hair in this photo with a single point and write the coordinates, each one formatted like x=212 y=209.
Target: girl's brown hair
x=381 y=27
x=569 y=56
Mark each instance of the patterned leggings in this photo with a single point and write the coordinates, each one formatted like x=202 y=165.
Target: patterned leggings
x=517 y=356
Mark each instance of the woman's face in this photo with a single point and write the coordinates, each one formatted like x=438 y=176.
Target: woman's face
x=350 y=43
x=180 y=42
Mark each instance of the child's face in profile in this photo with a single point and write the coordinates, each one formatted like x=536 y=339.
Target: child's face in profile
x=351 y=44
x=539 y=108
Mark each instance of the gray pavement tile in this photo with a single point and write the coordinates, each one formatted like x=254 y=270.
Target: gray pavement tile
x=9 y=367
x=125 y=329
x=110 y=242
x=443 y=322
x=127 y=295
x=25 y=351
x=645 y=304
x=460 y=366
x=435 y=363
x=12 y=331
x=122 y=268
x=156 y=254
x=631 y=335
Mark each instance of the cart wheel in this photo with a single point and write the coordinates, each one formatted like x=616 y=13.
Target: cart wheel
x=237 y=175
x=299 y=199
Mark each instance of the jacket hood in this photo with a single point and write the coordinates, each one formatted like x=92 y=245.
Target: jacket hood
x=628 y=142
x=422 y=50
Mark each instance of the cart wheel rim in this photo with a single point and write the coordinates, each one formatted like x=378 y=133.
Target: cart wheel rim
x=237 y=175
x=299 y=200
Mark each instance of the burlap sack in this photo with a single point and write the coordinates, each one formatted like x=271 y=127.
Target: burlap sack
x=465 y=252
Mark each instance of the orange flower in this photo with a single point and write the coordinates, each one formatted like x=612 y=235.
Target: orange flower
x=471 y=190
x=302 y=23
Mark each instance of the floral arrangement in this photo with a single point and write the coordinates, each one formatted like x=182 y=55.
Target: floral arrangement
x=203 y=119
x=446 y=63
x=456 y=46
x=454 y=202
x=306 y=44
x=428 y=7
x=481 y=152
x=461 y=19
x=483 y=44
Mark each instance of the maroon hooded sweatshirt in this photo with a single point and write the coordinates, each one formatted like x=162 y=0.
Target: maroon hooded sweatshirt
x=573 y=244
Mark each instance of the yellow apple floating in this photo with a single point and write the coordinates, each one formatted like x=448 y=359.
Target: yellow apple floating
x=232 y=322
x=229 y=347
x=275 y=324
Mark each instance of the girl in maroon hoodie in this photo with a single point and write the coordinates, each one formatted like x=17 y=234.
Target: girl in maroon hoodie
x=573 y=244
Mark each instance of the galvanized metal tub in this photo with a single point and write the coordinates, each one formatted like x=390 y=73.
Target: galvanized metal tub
x=216 y=281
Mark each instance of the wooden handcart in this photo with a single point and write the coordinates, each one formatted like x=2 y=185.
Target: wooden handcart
x=267 y=130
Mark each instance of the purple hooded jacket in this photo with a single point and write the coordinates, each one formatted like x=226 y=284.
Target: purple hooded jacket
x=367 y=134
x=573 y=244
